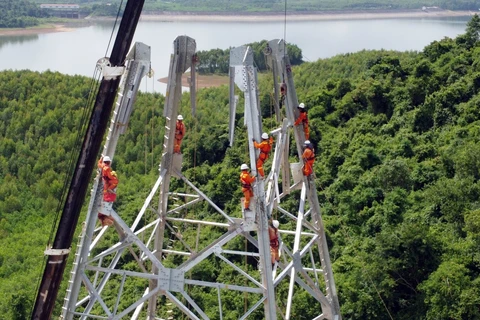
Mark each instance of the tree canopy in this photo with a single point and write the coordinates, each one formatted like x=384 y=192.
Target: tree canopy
x=19 y=14
x=216 y=61
x=397 y=169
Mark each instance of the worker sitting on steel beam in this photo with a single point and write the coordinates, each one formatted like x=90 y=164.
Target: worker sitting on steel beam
x=265 y=147
x=246 y=180
x=308 y=158
x=110 y=182
x=274 y=244
x=179 y=134
x=303 y=119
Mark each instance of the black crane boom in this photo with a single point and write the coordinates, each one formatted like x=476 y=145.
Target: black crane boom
x=99 y=118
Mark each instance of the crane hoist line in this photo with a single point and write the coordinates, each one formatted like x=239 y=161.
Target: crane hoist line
x=164 y=247
x=55 y=265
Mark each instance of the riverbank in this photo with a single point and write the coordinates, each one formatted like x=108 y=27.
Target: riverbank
x=254 y=17
x=203 y=81
x=311 y=16
x=35 y=30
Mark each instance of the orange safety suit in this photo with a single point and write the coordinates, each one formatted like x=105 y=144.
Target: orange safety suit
x=246 y=180
x=308 y=160
x=179 y=134
x=110 y=181
x=265 y=146
x=303 y=118
x=274 y=244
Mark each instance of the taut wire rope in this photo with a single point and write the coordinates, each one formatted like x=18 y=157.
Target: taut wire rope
x=114 y=25
x=285 y=29
x=82 y=126
x=343 y=226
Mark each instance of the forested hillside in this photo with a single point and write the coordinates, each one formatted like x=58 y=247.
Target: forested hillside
x=293 y=6
x=305 y=5
x=397 y=169
x=216 y=61
x=19 y=14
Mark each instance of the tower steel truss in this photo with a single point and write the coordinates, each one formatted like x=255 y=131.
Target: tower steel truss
x=166 y=253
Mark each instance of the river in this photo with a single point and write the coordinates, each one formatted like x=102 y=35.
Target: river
x=77 y=52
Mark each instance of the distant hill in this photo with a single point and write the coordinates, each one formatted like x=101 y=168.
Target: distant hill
x=292 y=6
x=397 y=143
x=19 y=14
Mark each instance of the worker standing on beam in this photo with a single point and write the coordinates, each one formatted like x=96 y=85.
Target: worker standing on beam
x=303 y=119
x=110 y=182
x=179 y=134
x=246 y=180
x=265 y=147
x=308 y=158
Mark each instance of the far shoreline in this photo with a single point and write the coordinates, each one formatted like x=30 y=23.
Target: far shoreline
x=314 y=16
x=253 y=17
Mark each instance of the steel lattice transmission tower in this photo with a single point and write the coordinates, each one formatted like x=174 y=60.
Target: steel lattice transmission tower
x=168 y=252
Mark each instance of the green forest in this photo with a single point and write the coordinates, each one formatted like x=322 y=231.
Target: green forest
x=216 y=61
x=397 y=169
x=304 y=5
x=25 y=13
x=19 y=14
x=279 y=5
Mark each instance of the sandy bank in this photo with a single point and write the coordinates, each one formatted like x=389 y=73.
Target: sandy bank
x=203 y=81
x=317 y=16
x=35 y=30
x=254 y=17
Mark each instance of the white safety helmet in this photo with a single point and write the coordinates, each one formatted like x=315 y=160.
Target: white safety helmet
x=107 y=159
x=180 y=117
x=307 y=143
x=275 y=224
x=244 y=167
x=264 y=136
x=301 y=105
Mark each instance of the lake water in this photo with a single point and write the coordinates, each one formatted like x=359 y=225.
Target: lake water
x=77 y=52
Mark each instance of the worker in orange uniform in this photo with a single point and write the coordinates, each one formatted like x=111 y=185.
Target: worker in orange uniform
x=110 y=182
x=303 y=119
x=246 y=180
x=274 y=244
x=265 y=146
x=308 y=158
x=179 y=134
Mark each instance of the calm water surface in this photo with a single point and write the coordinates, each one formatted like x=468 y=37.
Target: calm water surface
x=77 y=52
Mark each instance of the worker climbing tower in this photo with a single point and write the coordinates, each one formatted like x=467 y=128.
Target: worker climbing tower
x=165 y=252
x=311 y=259
x=80 y=301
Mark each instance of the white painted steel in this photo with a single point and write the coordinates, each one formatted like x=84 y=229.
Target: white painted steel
x=156 y=233
x=279 y=61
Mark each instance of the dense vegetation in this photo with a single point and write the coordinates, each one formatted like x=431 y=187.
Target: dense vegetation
x=19 y=14
x=303 y=5
x=398 y=157
x=216 y=61
x=252 y=6
x=26 y=13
